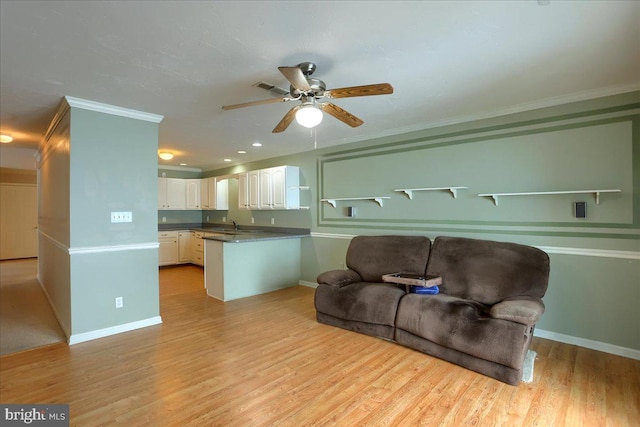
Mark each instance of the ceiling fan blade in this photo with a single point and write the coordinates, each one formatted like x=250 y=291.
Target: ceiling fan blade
x=367 y=90
x=286 y=120
x=295 y=77
x=249 y=104
x=340 y=114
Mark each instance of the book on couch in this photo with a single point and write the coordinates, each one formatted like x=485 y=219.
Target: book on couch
x=423 y=281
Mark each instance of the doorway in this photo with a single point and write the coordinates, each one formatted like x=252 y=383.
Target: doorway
x=18 y=221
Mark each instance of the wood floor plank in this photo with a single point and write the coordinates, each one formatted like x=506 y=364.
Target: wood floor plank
x=266 y=361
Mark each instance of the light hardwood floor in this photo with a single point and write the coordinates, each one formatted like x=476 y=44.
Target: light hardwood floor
x=265 y=361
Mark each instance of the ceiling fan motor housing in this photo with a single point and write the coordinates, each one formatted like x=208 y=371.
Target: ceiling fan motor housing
x=317 y=88
x=307 y=68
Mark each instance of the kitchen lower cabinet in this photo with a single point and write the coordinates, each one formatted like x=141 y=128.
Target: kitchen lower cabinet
x=184 y=247
x=168 y=249
x=197 y=248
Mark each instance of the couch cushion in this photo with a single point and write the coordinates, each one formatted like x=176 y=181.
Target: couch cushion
x=465 y=326
x=487 y=271
x=374 y=256
x=363 y=302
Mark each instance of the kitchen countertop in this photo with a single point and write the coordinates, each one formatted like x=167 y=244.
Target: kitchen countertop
x=243 y=234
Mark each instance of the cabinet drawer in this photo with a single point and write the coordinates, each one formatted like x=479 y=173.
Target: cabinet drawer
x=167 y=234
x=198 y=258
x=199 y=245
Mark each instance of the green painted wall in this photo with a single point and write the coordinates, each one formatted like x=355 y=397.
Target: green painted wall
x=586 y=145
x=91 y=165
x=112 y=168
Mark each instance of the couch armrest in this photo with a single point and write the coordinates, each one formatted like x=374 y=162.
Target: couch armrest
x=525 y=310
x=338 y=278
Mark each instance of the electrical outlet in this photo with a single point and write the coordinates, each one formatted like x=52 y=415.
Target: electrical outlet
x=207 y=218
x=252 y=220
x=164 y=219
x=119 y=302
x=273 y=221
x=224 y=219
x=121 y=217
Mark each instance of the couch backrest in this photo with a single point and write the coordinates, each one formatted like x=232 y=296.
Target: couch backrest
x=373 y=256
x=487 y=271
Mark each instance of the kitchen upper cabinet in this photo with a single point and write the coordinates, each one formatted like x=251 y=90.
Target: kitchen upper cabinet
x=204 y=192
x=218 y=194
x=171 y=194
x=193 y=193
x=266 y=189
x=253 y=189
x=271 y=188
x=243 y=191
x=280 y=188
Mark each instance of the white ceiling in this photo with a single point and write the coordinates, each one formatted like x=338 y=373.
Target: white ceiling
x=448 y=61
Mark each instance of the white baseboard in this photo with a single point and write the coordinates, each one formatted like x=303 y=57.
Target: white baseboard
x=101 y=333
x=593 y=345
x=308 y=284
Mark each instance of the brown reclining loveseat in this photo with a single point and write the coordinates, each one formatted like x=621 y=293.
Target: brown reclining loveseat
x=483 y=317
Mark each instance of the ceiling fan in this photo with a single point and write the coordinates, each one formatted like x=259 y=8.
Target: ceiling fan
x=309 y=91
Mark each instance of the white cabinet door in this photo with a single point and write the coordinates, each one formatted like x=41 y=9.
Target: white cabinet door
x=243 y=191
x=222 y=195
x=253 y=185
x=168 y=250
x=205 y=201
x=193 y=193
x=279 y=187
x=266 y=189
x=176 y=193
x=184 y=246
x=162 y=193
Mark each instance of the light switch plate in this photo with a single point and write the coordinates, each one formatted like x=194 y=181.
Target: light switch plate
x=121 y=217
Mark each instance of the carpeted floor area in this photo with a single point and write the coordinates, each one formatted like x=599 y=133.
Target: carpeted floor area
x=26 y=318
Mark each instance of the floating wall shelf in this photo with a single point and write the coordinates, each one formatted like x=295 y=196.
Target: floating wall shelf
x=409 y=191
x=596 y=193
x=377 y=199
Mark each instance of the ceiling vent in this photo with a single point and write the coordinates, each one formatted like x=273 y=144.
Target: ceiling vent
x=272 y=88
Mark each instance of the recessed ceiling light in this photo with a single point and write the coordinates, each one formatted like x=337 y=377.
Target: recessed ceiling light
x=165 y=155
x=5 y=139
x=227 y=160
x=242 y=152
x=257 y=144
x=183 y=164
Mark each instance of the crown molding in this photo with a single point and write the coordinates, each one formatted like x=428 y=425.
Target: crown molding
x=178 y=168
x=113 y=110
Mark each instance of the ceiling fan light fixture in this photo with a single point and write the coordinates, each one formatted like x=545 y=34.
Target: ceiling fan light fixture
x=309 y=116
x=165 y=155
